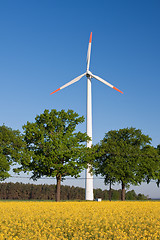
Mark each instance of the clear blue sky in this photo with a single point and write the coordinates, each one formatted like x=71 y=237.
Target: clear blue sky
x=43 y=45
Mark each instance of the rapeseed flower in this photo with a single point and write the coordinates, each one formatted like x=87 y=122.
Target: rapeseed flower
x=79 y=220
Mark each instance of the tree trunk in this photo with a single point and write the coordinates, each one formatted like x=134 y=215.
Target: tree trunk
x=58 y=188
x=123 y=192
x=110 y=191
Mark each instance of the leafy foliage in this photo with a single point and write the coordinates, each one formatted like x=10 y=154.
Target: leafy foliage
x=11 y=148
x=149 y=166
x=55 y=147
x=125 y=156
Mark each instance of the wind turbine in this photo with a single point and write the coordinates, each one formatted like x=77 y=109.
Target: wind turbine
x=89 y=75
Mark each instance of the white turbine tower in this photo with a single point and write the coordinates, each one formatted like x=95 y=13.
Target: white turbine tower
x=89 y=75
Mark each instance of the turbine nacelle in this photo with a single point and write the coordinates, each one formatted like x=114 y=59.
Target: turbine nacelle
x=88 y=74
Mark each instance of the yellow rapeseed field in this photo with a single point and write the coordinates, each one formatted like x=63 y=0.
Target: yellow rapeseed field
x=79 y=220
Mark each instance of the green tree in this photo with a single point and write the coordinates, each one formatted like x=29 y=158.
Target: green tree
x=57 y=150
x=149 y=166
x=142 y=197
x=119 y=155
x=11 y=148
x=131 y=195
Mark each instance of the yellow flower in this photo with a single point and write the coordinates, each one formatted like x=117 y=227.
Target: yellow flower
x=79 y=220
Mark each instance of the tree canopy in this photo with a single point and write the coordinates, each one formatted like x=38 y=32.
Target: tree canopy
x=125 y=156
x=56 y=149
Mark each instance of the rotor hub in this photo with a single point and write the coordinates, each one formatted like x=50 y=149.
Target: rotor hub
x=88 y=74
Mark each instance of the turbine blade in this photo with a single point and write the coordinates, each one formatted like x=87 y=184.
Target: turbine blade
x=89 y=51
x=105 y=82
x=69 y=83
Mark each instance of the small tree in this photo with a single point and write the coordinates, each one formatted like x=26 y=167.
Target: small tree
x=119 y=156
x=57 y=150
x=11 y=147
x=131 y=195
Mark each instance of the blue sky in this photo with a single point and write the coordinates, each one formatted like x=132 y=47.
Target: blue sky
x=43 y=45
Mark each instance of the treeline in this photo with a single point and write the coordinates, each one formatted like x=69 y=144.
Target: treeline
x=21 y=191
